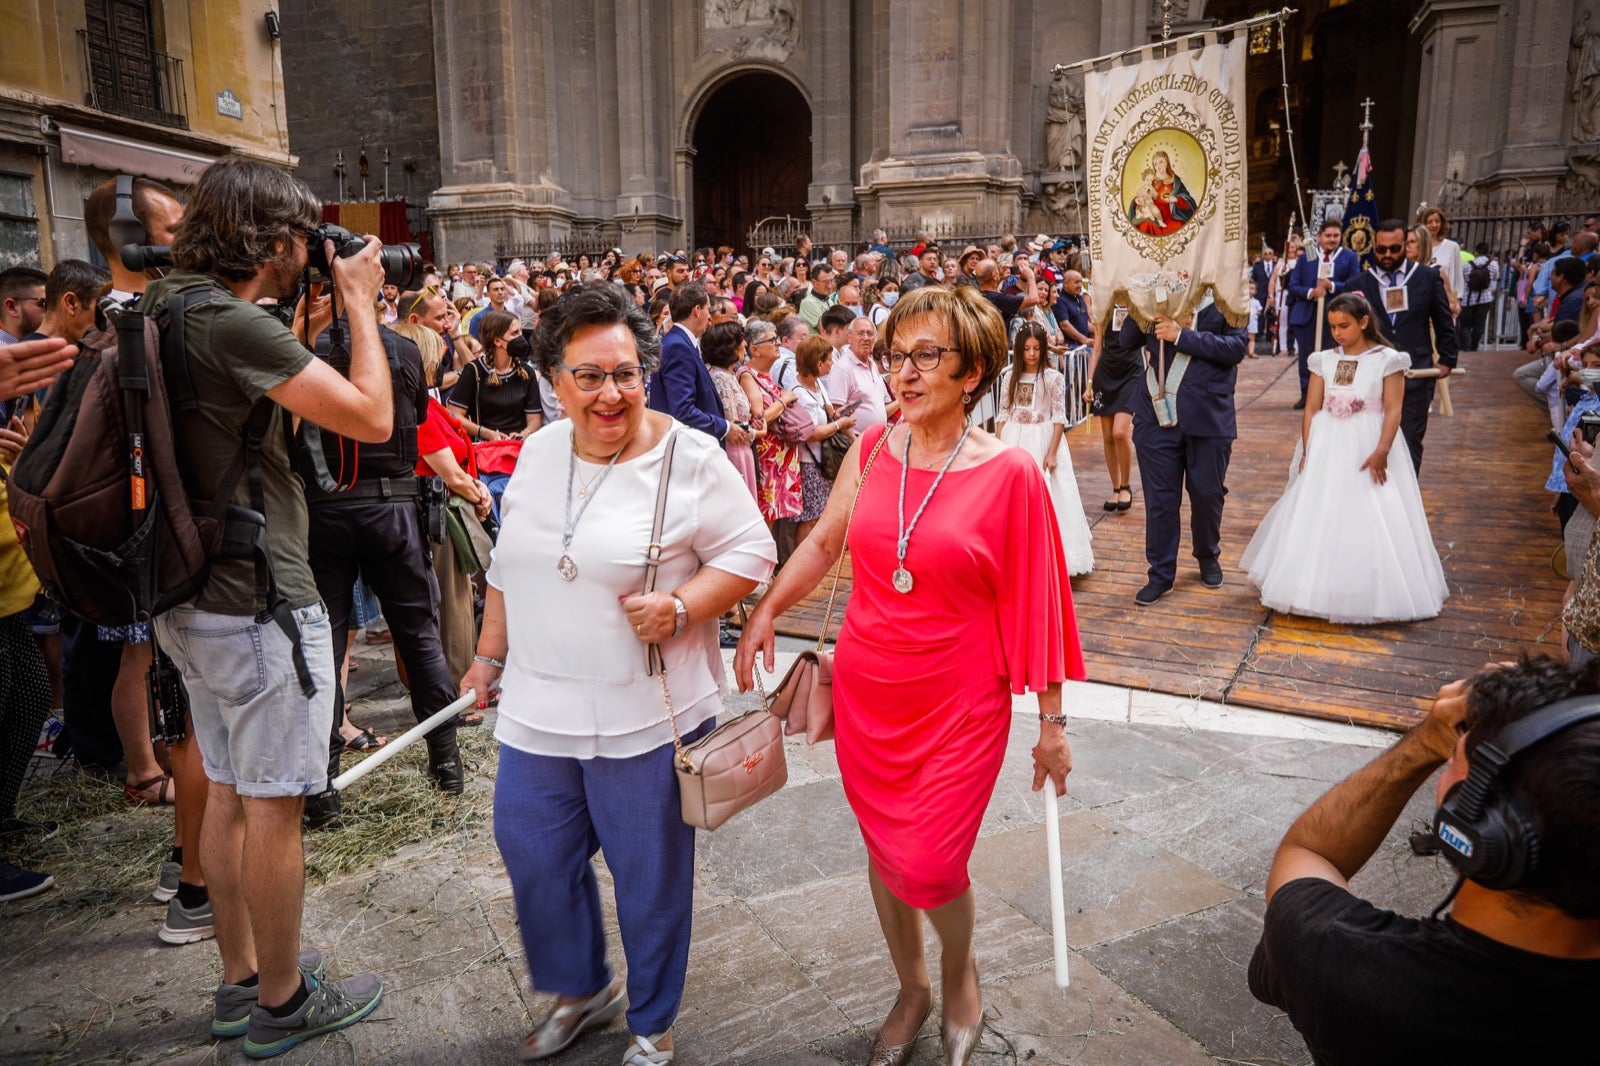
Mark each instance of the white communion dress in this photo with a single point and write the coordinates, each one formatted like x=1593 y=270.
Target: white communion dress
x=1337 y=545
x=1029 y=424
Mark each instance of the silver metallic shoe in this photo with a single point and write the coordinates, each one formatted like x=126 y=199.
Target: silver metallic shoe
x=960 y=1042
x=565 y=1024
x=895 y=1054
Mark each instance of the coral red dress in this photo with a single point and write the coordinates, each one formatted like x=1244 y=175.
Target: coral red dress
x=923 y=681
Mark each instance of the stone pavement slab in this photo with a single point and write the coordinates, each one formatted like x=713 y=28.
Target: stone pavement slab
x=1174 y=809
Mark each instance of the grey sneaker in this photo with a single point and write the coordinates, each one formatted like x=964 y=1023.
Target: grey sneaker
x=168 y=886
x=330 y=1006
x=186 y=926
x=231 y=1017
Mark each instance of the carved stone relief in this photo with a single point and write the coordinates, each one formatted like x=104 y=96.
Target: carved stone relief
x=754 y=29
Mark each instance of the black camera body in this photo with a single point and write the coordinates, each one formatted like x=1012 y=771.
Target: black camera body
x=142 y=257
x=1589 y=426
x=402 y=263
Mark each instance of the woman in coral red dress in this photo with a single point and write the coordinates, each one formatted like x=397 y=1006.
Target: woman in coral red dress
x=960 y=599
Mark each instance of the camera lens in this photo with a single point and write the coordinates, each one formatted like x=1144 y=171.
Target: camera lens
x=402 y=265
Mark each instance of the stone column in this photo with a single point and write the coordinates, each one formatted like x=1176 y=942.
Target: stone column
x=649 y=214
x=496 y=130
x=1475 y=128
x=831 y=196
x=949 y=157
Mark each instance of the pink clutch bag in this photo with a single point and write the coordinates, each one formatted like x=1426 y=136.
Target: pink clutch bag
x=804 y=698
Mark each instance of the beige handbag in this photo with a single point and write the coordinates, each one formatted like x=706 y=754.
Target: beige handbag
x=804 y=698
x=734 y=765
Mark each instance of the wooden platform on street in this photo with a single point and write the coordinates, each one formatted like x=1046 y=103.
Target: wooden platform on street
x=1483 y=484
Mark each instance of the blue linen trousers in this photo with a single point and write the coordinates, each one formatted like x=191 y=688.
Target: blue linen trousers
x=551 y=815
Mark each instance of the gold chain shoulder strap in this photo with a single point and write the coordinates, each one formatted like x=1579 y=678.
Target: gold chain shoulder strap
x=844 y=544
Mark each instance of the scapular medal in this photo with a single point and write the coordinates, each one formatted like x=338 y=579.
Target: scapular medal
x=564 y=565
x=901 y=578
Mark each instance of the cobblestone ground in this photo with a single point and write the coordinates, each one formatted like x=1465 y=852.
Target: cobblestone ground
x=1173 y=813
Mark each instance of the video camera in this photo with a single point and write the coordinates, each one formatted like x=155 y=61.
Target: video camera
x=402 y=263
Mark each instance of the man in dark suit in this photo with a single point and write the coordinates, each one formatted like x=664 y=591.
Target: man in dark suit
x=1266 y=317
x=682 y=386
x=1322 y=272
x=1194 y=445
x=1417 y=301
x=1261 y=274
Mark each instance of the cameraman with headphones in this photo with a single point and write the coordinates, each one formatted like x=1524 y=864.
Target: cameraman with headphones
x=1511 y=973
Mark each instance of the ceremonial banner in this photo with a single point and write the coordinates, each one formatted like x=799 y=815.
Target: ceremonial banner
x=1166 y=183
x=1361 y=211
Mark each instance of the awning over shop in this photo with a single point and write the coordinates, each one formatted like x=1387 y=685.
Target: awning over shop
x=88 y=148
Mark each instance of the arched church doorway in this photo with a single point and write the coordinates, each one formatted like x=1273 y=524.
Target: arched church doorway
x=752 y=157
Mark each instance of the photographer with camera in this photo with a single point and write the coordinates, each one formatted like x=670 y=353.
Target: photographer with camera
x=371 y=516
x=261 y=683
x=105 y=668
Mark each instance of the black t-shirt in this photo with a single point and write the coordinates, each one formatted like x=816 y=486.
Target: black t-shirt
x=396 y=457
x=1368 y=986
x=498 y=403
x=1007 y=303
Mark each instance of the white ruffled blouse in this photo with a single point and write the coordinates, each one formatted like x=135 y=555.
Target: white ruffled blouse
x=576 y=682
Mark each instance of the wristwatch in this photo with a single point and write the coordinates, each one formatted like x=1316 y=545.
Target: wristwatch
x=680 y=616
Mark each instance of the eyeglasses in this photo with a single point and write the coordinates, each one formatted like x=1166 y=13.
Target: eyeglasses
x=765 y=340
x=1381 y=248
x=593 y=379
x=924 y=358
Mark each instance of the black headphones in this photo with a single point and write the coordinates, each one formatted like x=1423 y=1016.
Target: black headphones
x=1478 y=826
x=125 y=227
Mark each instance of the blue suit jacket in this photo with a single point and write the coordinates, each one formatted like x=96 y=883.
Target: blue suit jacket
x=1346 y=269
x=1409 y=331
x=682 y=386
x=1205 y=396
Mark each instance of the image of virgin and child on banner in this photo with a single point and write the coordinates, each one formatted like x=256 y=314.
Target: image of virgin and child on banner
x=1166 y=183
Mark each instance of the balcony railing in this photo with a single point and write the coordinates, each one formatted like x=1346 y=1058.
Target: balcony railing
x=148 y=86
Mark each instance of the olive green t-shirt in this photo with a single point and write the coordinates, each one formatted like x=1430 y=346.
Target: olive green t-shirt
x=237 y=351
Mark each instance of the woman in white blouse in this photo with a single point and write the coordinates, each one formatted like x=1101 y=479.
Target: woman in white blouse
x=1446 y=255
x=812 y=362
x=585 y=743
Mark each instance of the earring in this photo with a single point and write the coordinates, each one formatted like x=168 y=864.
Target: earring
x=968 y=399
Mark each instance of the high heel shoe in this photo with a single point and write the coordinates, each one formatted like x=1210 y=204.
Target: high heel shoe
x=1124 y=505
x=895 y=1054
x=961 y=1040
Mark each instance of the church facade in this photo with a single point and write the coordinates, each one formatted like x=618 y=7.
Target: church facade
x=515 y=126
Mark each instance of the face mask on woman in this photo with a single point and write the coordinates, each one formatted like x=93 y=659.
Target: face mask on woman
x=889 y=298
x=519 y=348
x=1590 y=376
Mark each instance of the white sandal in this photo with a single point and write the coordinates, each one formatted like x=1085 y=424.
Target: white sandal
x=565 y=1024
x=643 y=1052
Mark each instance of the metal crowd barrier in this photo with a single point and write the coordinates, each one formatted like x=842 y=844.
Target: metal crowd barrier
x=1074 y=363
